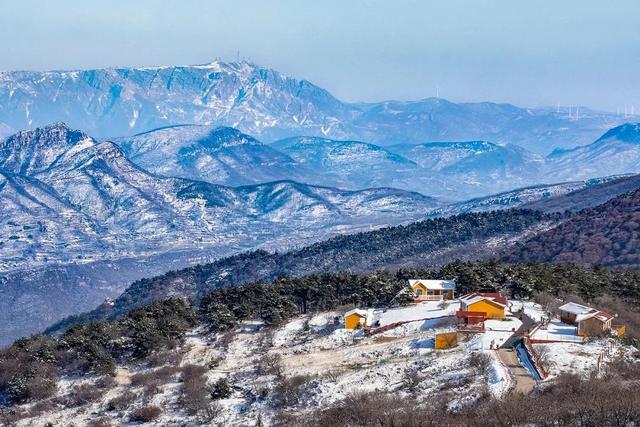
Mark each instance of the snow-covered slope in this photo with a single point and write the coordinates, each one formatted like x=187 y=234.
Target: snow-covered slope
x=264 y=103
x=472 y=168
x=615 y=152
x=218 y=155
x=537 y=197
x=69 y=196
x=353 y=163
x=124 y=101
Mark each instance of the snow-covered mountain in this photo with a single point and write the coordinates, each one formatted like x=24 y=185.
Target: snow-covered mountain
x=449 y=170
x=543 y=197
x=264 y=103
x=453 y=170
x=472 y=168
x=70 y=197
x=218 y=155
x=615 y=152
x=354 y=164
x=124 y=101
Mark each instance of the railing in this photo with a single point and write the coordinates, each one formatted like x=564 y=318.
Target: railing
x=429 y=298
x=476 y=328
x=530 y=359
x=541 y=335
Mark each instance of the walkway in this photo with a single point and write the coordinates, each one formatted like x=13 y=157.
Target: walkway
x=524 y=382
x=527 y=324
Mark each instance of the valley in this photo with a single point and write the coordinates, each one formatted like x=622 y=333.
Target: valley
x=319 y=214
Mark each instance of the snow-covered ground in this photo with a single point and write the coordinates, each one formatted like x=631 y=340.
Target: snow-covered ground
x=332 y=363
x=581 y=359
x=329 y=363
x=556 y=330
x=500 y=378
x=498 y=331
x=420 y=311
x=534 y=310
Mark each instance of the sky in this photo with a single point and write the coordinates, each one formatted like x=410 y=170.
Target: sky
x=530 y=53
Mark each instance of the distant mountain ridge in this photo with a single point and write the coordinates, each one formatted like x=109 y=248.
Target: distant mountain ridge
x=264 y=103
x=615 y=152
x=450 y=170
x=67 y=198
x=56 y=180
x=219 y=155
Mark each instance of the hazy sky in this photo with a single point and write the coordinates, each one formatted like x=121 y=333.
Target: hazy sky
x=532 y=53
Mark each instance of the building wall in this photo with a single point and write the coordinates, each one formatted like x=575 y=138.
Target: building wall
x=352 y=321
x=567 y=317
x=591 y=327
x=423 y=289
x=493 y=311
x=446 y=340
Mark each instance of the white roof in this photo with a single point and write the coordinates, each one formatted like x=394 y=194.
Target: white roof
x=575 y=308
x=361 y=313
x=471 y=299
x=434 y=284
x=583 y=312
x=368 y=315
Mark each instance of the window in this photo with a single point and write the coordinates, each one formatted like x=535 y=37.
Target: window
x=419 y=292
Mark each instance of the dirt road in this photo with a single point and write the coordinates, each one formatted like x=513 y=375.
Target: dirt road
x=524 y=381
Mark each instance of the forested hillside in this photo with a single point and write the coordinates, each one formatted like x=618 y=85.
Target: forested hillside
x=31 y=368
x=607 y=235
x=595 y=193
x=428 y=243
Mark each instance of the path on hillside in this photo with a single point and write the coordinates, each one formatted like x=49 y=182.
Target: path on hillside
x=527 y=324
x=524 y=381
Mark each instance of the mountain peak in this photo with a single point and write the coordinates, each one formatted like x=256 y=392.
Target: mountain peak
x=628 y=132
x=224 y=136
x=58 y=131
x=32 y=151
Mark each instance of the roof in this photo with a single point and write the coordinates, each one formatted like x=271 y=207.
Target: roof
x=434 y=284
x=575 y=308
x=583 y=312
x=357 y=311
x=473 y=298
x=602 y=316
x=369 y=315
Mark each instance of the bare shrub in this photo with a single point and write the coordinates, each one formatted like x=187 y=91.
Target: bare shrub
x=122 y=401
x=161 y=375
x=152 y=380
x=195 y=394
x=167 y=357
x=270 y=364
x=81 y=394
x=546 y=300
x=41 y=407
x=145 y=414
x=100 y=422
x=226 y=339
x=106 y=382
x=370 y=409
x=267 y=338
x=412 y=378
x=544 y=355
x=214 y=362
x=480 y=362
x=288 y=391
